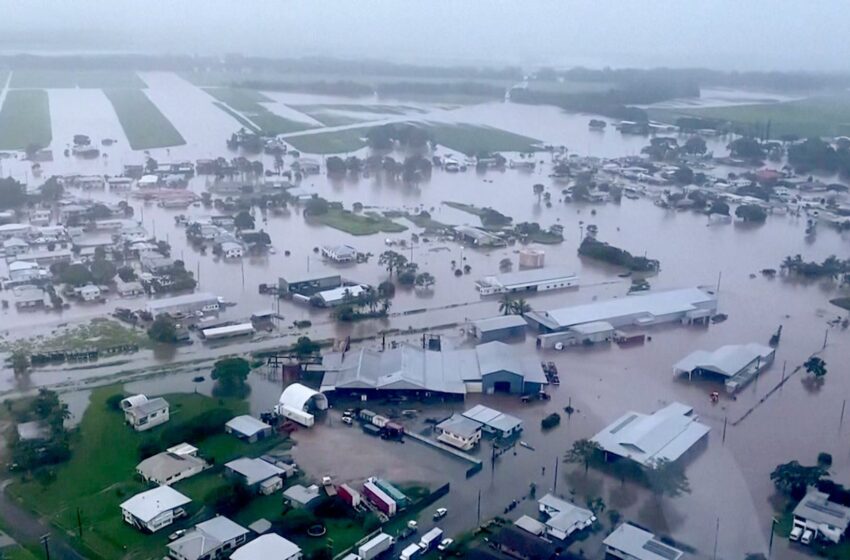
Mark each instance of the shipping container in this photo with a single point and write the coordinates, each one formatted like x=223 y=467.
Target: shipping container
x=397 y=495
x=380 y=421
x=349 y=495
x=372 y=430
x=379 y=498
x=411 y=552
x=431 y=539
x=393 y=430
x=375 y=546
x=366 y=415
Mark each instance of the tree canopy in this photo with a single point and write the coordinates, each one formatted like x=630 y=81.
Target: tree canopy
x=231 y=375
x=583 y=451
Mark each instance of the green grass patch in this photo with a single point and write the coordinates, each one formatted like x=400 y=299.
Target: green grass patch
x=471 y=139
x=357 y=224
x=425 y=221
x=546 y=237
x=99 y=476
x=98 y=333
x=143 y=123
x=238 y=116
x=842 y=302
x=334 y=142
x=248 y=103
x=66 y=79
x=334 y=114
x=827 y=115
x=25 y=120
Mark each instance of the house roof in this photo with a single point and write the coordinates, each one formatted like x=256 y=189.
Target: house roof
x=528 y=546
x=163 y=466
x=302 y=494
x=206 y=537
x=201 y=297
x=266 y=547
x=565 y=517
x=493 y=418
x=816 y=507
x=645 y=438
x=527 y=523
x=460 y=426
x=530 y=276
x=726 y=360
x=147 y=505
x=640 y=544
x=254 y=470
x=499 y=322
x=652 y=304
x=497 y=356
x=247 y=425
x=147 y=407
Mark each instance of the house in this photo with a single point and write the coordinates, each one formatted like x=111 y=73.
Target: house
x=531 y=525
x=736 y=364
x=564 y=518
x=629 y=542
x=33 y=431
x=209 y=540
x=338 y=296
x=584 y=333
x=256 y=474
x=15 y=246
x=232 y=250
x=340 y=253
x=459 y=432
x=248 y=428
x=268 y=547
x=189 y=304
x=120 y=184
x=28 y=297
x=156 y=264
x=154 y=509
x=8 y=231
x=688 y=305
x=89 y=292
x=498 y=328
x=299 y=495
x=494 y=422
x=25 y=272
x=148 y=182
x=128 y=289
x=175 y=464
x=666 y=434
x=503 y=370
x=524 y=281
x=519 y=544
x=143 y=413
x=825 y=518
x=308 y=284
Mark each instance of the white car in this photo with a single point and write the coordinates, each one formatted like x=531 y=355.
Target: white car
x=440 y=513
x=445 y=544
x=796 y=531
x=807 y=536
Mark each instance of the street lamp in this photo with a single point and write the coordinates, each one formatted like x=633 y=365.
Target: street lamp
x=773 y=523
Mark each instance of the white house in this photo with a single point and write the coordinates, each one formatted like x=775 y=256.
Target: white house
x=632 y=543
x=248 y=428
x=564 y=518
x=154 y=509
x=340 y=253
x=232 y=250
x=817 y=513
x=459 y=431
x=209 y=540
x=143 y=413
x=177 y=463
x=89 y=292
x=268 y=547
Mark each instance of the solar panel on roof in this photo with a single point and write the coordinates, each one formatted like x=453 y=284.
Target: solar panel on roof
x=661 y=549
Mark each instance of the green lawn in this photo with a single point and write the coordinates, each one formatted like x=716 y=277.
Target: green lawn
x=65 y=79
x=25 y=120
x=238 y=116
x=471 y=139
x=358 y=224
x=144 y=124
x=98 y=333
x=334 y=114
x=99 y=477
x=248 y=103
x=826 y=115
x=842 y=302
x=335 y=142
x=425 y=222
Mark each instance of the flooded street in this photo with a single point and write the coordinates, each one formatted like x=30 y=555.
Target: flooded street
x=729 y=477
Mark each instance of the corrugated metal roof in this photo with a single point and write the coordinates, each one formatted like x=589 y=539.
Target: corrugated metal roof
x=640 y=544
x=727 y=360
x=500 y=322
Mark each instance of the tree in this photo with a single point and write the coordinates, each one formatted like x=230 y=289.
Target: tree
x=243 y=220
x=583 y=451
x=102 y=271
x=538 y=190
x=683 y=175
x=126 y=274
x=695 y=145
x=520 y=307
x=20 y=362
x=52 y=189
x=305 y=347
x=425 y=280
x=386 y=289
x=824 y=459
x=230 y=375
x=746 y=148
x=506 y=264
x=793 y=479
x=12 y=193
x=163 y=329
x=75 y=275
x=392 y=261
x=751 y=213
x=667 y=478
x=719 y=207
x=506 y=305
x=316 y=206
x=406 y=274
x=335 y=165
x=815 y=366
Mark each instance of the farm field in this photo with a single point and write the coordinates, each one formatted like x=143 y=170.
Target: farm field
x=25 y=120
x=144 y=124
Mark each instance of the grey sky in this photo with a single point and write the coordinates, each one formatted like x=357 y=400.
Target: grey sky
x=729 y=34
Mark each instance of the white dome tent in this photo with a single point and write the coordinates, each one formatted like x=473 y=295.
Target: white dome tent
x=298 y=403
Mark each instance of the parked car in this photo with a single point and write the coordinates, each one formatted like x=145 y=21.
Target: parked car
x=445 y=544
x=347 y=420
x=796 y=531
x=176 y=534
x=440 y=513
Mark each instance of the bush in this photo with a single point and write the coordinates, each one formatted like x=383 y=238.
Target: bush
x=297 y=521
x=550 y=421
x=114 y=402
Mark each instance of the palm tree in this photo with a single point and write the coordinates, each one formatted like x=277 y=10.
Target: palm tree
x=815 y=366
x=520 y=306
x=538 y=190
x=583 y=451
x=506 y=305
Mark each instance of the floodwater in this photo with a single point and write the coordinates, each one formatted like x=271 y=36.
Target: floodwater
x=729 y=478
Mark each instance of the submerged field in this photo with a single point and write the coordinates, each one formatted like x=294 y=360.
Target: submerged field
x=358 y=224
x=62 y=79
x=25 y=120
x=470 y=139
x=332 y=142
x=144 y=124
x=248 y=103
x=827 y=115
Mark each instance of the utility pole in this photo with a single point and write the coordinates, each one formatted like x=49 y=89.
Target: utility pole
x=841 y=421
x=45 y=539
x=79 y=523
x=725 y=419
x=555 y=482
x=716 y=534
x=825 y=337
x=770 y=542
x=479 y=508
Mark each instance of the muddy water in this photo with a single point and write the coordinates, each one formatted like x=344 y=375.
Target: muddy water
x=729 y=478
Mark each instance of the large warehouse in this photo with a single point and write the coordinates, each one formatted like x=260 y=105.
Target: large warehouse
x=688 y=305
x=533 y=280
x=736 y=364
x=489 y=368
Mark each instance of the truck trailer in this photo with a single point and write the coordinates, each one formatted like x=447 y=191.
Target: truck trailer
x=379 y=498
x=431 y=539
x=349 y=495
x=410 y=552
x=375 y=546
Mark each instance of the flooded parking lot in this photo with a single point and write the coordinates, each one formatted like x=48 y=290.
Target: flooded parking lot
x=729 y=478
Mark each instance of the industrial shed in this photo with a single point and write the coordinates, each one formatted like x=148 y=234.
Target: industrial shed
x=504 y=371
x=737 y=364
x=498 y=328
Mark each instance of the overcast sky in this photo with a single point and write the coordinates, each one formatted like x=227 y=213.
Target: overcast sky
x=725 y=34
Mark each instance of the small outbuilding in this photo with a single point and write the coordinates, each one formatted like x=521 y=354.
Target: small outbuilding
x=459 y=432
x=270 y=546
x=248 y=428
x=498 y=328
